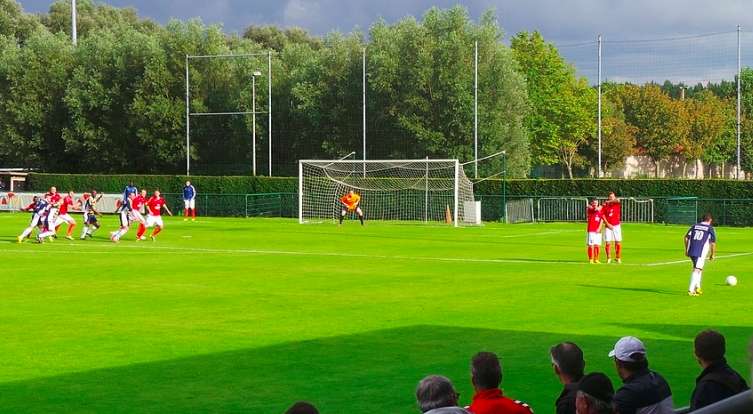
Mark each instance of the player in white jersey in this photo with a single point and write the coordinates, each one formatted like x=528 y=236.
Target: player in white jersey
x=88 y=207
x=125 y=219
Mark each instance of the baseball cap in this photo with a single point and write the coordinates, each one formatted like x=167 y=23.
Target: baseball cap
x=597 y=385
x=626 y=347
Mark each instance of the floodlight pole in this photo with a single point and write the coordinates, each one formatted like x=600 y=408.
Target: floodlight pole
x=188 y=122
x=504 y=186
x=269 y=107
x=475 y=112
x=74 y=31
x=739 y=73
x=601 y=173
x=253 y=122
x=363 y=81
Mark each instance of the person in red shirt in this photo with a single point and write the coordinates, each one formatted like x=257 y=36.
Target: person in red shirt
x=138 y=204
x=486 y=376
x=154 y=207
x=595 y=219
x=613 y=232
x=63 y=216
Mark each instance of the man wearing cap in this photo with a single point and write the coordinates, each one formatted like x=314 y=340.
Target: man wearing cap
x=718 y=380
x=643 y=391
x=595 y=395
x=568 y=365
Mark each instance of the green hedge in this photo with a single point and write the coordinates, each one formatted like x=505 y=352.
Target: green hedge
x=727 y=189
x=165 y=183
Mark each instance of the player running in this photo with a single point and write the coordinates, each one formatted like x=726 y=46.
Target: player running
x=154 y=206
x=351 y=202
x=189 y=200
x=594 y=218
x=700 y=242
x=88 y=207
x=137 y=205
x=127 y=191
x=46 y=219
x=37 y=206
x=125 y=219
x=52 y=214
x=613 y=232
x=64 y=217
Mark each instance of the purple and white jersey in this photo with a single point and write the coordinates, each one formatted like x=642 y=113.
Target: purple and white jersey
x=700 y=235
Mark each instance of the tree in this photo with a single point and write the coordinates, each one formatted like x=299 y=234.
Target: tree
x=563 y=107
x=15 y=23
x=618 y=137
x=274 y=38
x=660 y=122
x=707 y=116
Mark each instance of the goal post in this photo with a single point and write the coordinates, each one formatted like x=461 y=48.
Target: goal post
x=421 y=190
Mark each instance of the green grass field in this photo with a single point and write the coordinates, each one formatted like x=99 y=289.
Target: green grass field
x=235 y=315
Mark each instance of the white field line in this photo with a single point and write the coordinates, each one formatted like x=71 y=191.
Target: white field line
x=188 y=250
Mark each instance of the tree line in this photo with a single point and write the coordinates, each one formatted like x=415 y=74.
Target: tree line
x=115 y=102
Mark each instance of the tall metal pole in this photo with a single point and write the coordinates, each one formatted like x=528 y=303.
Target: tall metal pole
x=269 y=107
x=739 y=97
x=253 y=116
x=74 y=30
x=475 y=113
x=504 y=186
x=601 y=173
x=363 y=81
x=188 y=122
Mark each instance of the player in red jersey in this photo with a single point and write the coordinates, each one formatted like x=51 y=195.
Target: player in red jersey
x=613 y=232
x=63 y=217
x=138 y=204
x=154 y=206
x=595 y=221
x=52 y=215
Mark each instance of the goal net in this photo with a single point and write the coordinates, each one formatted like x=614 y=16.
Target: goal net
x=401 y=190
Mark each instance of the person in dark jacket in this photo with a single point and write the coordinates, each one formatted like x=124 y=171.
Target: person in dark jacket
x=643 y=391
x=718 y=380
x=595 y=394
x=568 y=365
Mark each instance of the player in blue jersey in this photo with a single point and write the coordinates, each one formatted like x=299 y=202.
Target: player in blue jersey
x=127 y=191
x=37 y=207
x=189 y=201
x=700 y=243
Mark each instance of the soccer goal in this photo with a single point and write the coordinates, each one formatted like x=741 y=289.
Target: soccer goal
x=399 y=190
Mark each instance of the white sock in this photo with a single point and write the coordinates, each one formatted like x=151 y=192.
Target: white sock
x=695 y=280
x=84 y=231
x=27 y=232
x=46 y=234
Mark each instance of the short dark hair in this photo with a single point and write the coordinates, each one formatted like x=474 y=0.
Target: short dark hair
x=435 y=391
x=302 y=407
x=640 y=363
x=710 y=346
x=706 y=217
x=486 y=370
x=569 y=359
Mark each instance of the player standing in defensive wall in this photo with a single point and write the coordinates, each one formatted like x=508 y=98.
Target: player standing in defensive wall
x=700 y=242
x=613 y=232
x=351 y=202
x=64 y=217
x=595 y=220
x=154 y=205
x=189 y=201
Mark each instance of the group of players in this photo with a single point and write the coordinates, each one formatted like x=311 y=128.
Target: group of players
x=700 y=239
x=606 y=216
x=51 y=210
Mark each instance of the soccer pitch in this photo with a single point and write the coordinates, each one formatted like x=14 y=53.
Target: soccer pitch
x=250 y=315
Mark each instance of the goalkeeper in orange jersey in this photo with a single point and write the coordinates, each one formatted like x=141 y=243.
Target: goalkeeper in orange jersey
x=351 y=202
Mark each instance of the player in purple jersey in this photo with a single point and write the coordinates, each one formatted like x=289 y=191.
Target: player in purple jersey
x=700 y=242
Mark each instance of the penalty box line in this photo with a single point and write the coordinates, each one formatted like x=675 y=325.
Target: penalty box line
x=187 y=250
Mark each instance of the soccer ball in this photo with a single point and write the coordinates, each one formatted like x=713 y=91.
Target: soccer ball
x=731 y=280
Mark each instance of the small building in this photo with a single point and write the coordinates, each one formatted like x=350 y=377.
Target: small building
x=13 y=179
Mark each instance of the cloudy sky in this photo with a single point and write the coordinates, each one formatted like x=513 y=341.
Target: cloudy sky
x=572 y=24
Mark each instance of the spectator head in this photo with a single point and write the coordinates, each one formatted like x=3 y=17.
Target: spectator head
x=709 y=347
x=568 y=363
x=595 y=392
x=486 y=371
x=302 y=407
x=707 y=218
x=629 y=356
x=435 y=391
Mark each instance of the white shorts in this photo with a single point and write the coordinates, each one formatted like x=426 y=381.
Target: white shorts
x=125 y=220
x=36 y=220
x=64 y=218
x=613 y=235
x=699 y=262
x=52 y=215
x=137 y=216
x=152 y=221
x=190 y=203
x=593 y=239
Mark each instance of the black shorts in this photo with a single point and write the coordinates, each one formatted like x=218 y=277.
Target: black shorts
x=91 y=218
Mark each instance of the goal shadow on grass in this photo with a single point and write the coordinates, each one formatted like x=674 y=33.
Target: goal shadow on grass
x=372 y=372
